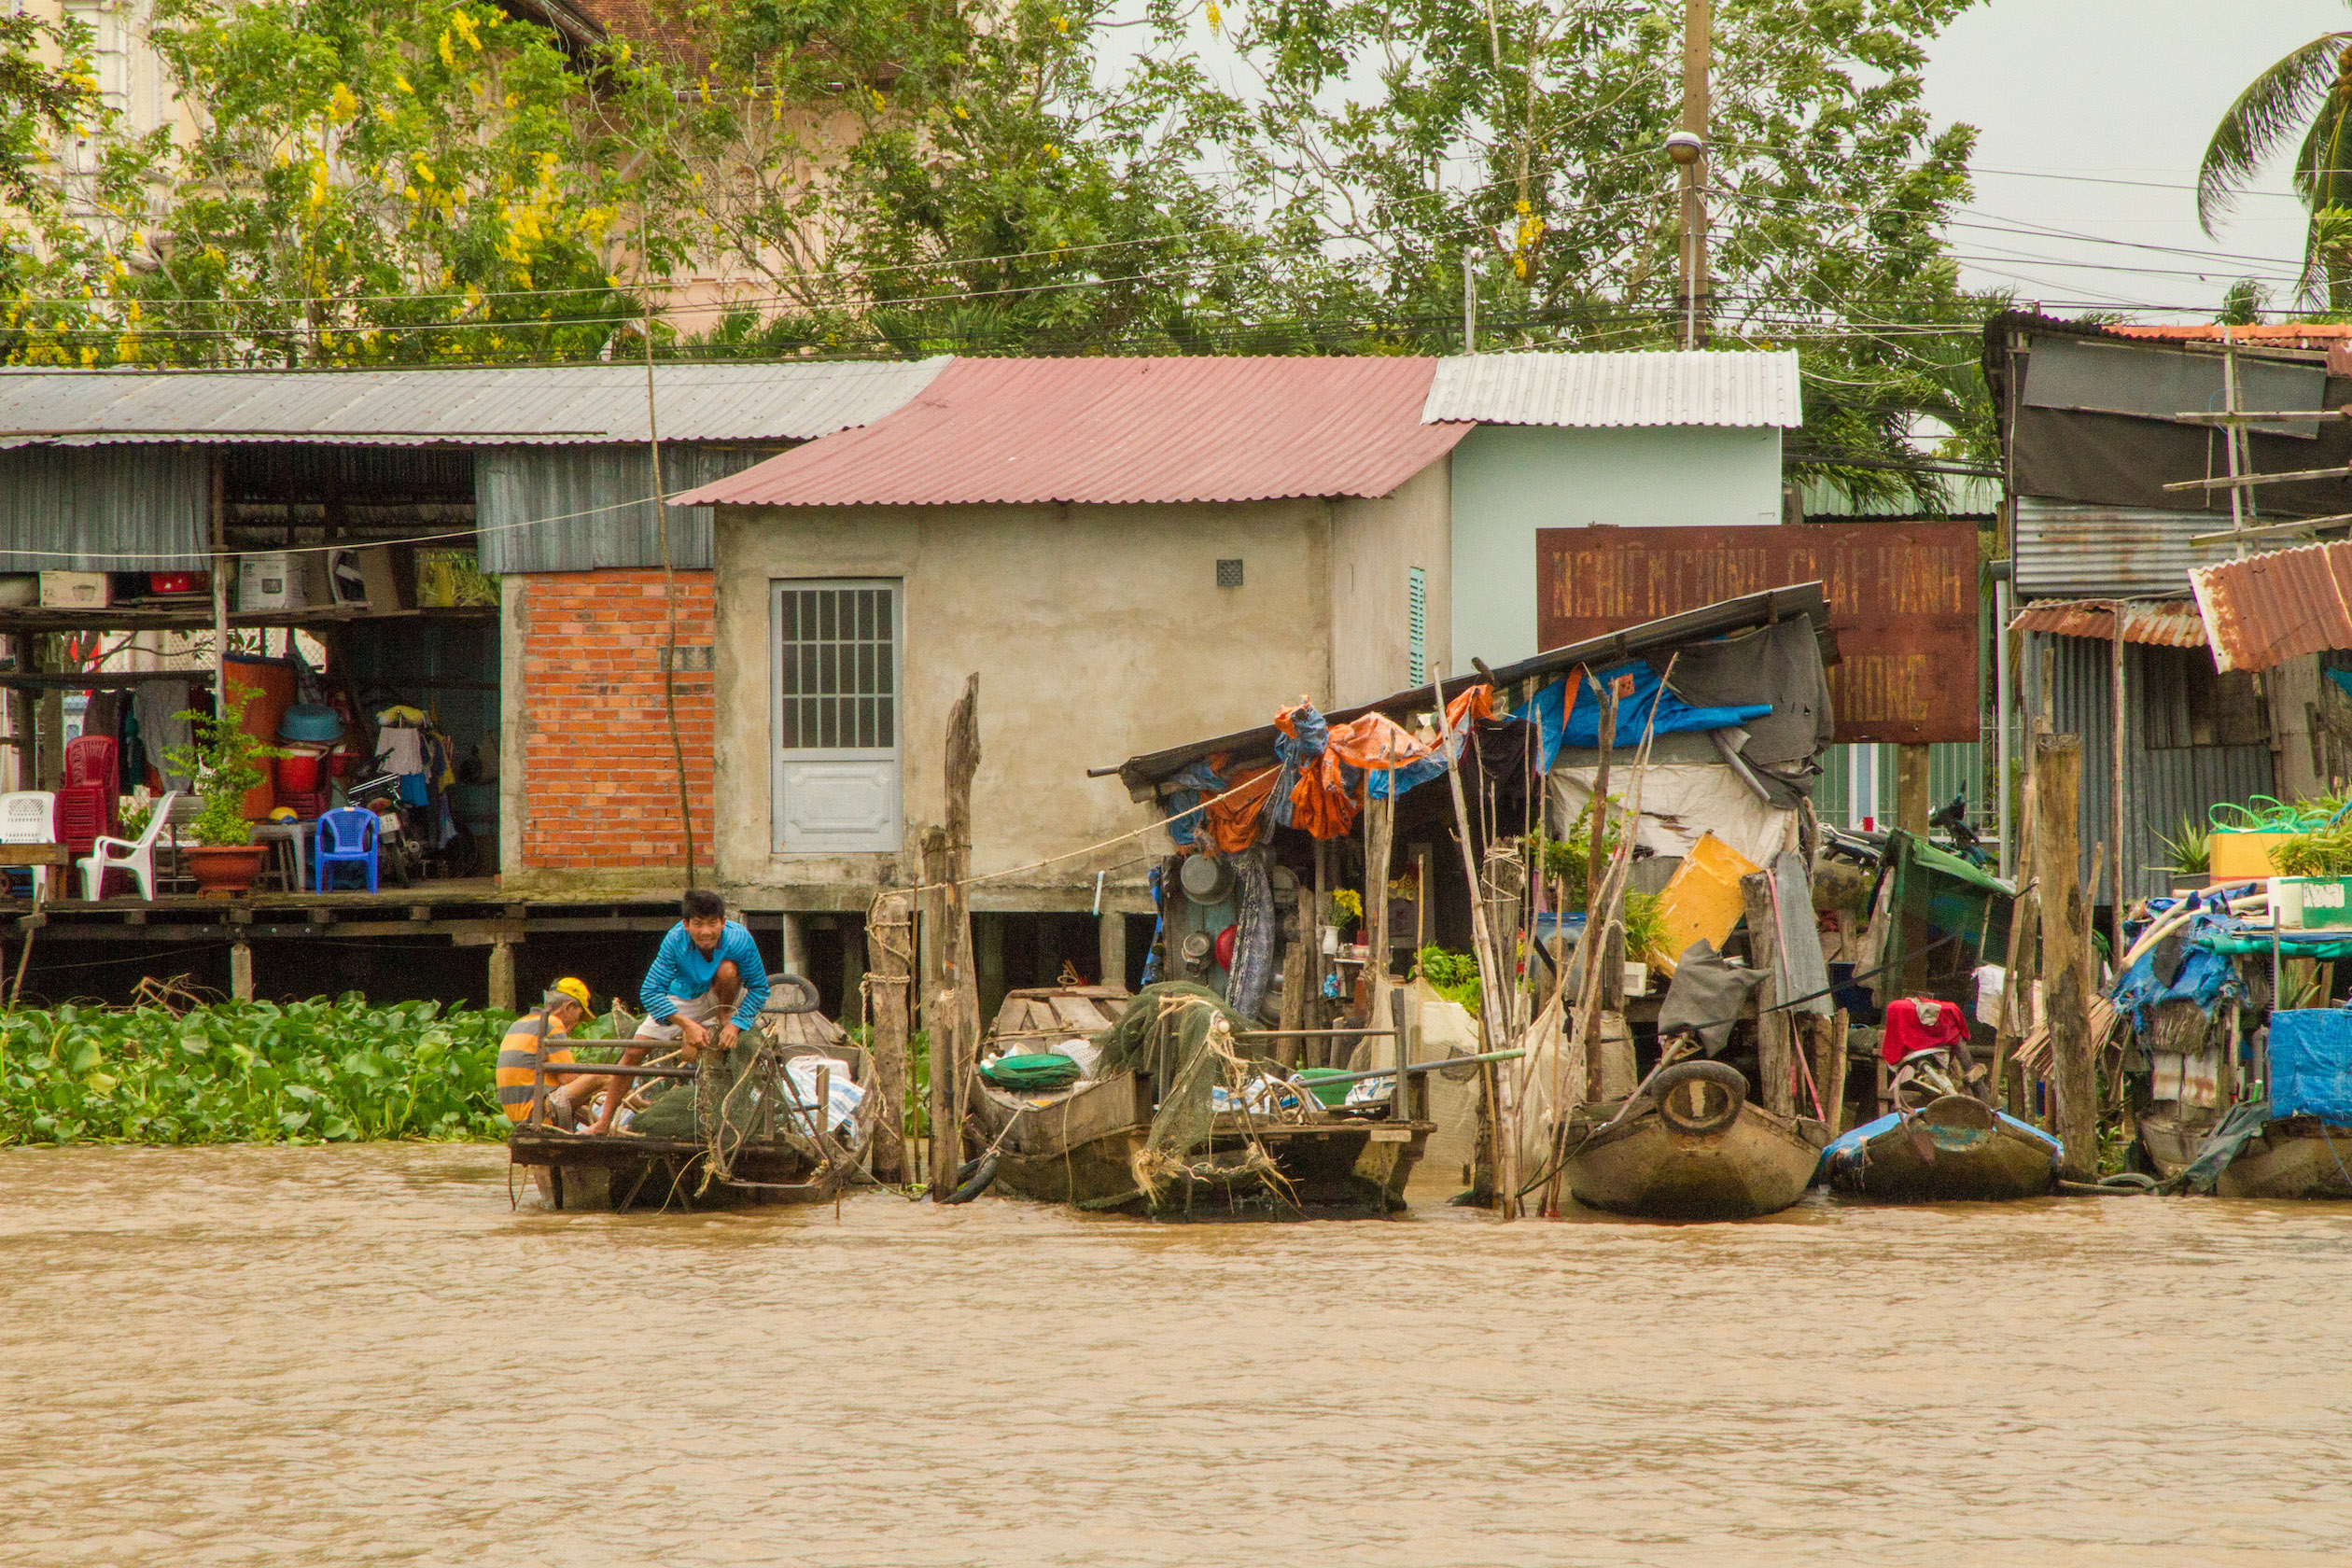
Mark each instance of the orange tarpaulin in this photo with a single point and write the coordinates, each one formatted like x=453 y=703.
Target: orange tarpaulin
x=1322 y=805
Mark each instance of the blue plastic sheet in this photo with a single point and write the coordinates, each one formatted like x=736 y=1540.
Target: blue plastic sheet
x=1847 y=1144
x=2311 y=1064
x=2206 y=976
x=1559 y=723
x=1294 y=753
x=1183 y=803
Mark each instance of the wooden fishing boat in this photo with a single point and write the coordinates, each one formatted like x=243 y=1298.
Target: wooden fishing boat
x=2288 y=1158
x=1956 y=1149
x=786 y=1159
x=1079 y=1145
x=1690 y=1146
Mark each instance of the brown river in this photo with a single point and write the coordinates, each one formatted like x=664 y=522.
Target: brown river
x=360 y=1355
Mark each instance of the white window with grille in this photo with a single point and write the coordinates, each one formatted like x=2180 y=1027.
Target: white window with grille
x=838 y=713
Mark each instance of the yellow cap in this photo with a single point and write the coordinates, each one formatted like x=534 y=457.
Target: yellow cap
x=283 y=814
x=576 y=989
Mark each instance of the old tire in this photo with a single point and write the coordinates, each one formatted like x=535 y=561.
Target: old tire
x=1699 y=1097
x=976 y=1177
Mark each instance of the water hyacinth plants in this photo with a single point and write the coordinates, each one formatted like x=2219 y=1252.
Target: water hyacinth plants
x=249 y=1072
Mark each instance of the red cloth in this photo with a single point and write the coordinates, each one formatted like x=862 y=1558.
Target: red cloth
x=1907 y=1032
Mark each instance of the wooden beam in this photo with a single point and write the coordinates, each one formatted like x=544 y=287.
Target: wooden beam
x=963 y=762
x=2064 y=962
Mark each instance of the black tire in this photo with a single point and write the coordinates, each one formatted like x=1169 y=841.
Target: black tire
x=1708 y=1113
x=983 y=1176
x=804 y=1000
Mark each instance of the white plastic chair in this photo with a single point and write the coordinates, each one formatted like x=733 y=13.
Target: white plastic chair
x=120 y=854
x=30 y=817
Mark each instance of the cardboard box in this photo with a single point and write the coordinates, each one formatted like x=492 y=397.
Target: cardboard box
x=388 y=577
x=73 y=590
x=269 y=579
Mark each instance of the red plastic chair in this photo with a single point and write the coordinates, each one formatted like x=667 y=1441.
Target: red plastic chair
x=88 y=793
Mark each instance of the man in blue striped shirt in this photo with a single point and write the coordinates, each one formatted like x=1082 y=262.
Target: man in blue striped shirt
x=705 y=987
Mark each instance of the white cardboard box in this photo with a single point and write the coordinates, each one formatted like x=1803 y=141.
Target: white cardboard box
x=75 y=590
x=269 y=579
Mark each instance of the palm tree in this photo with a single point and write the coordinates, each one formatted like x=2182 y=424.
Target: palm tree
x=2310 y=90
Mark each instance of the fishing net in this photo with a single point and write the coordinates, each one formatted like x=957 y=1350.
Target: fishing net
x=1183 y=1036
x=720 y=1108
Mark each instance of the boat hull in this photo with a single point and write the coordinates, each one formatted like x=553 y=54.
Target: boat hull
x=1079 y=1148
x=2293 y=1157
x=1759 y=1164
x=1955 y=1150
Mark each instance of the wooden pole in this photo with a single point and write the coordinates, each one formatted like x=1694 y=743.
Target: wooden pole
x=2057 y=806
x=2116 y=868
x=963 y=760
x=1698 y=48
x=1775 y=1058
x=1379 y=818
x=220 y=585
x=1598 y=833
x=938 y=1010
x=890 y=953
x=1831 y=1076
x=1495 y=977
x=1911 y=806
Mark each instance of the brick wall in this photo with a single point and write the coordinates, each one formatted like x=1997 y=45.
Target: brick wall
x=600 y=788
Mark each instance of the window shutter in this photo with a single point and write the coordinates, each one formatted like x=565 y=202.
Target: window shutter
x=1416 y=626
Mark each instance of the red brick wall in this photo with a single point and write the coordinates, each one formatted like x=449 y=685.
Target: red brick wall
x=601 y=792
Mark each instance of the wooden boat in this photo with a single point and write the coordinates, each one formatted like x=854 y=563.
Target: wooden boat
x=1956 y=1149
x=1690 y=1146
x=1078 y=1145
x=782 y=1163
x=2289 y=1157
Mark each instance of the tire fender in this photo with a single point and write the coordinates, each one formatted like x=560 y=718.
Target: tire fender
x=1699 y=1097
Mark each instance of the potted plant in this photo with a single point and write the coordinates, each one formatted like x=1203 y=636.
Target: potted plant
x=224 y=763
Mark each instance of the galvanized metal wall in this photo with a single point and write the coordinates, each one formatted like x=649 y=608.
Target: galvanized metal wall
x=2159 y=787
x=104 y=509
x=2069 y=550
x=598 y=500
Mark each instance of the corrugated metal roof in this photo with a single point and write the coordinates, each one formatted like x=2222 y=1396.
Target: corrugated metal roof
x=1115 y=431
x=2072 y=550
x=2163 y=623
x=585 y=496
x=2288 y=334
x=2263 y=610
x=797 y=401
x=1601 y=391
x=1808 y=600
x=144 y=510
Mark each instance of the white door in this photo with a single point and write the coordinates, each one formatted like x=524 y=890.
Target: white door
x=837 y=716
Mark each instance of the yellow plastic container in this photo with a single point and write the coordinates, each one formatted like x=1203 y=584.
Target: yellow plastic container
x=1704 y=899
x=2238 y=857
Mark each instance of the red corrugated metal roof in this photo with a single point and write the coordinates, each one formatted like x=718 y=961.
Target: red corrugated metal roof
x=2162 y=623
x=2291 y=334
x=1120 y=430
x=2265 y=610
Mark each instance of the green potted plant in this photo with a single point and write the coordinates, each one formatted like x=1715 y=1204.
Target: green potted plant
x=224 y=763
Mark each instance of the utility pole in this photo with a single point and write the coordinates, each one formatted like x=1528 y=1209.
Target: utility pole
x=1688 y=151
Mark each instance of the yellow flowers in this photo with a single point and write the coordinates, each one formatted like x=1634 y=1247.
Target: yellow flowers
x=402 y=83
x=342 y=104
x=876 y=96
x=319 y=189
x=425 y=171
x=1216 y=17
x=1062 y=25
x=465 y=27
x=410 y=192
x=1050 y=150
x=962 y=113
x=448 y=57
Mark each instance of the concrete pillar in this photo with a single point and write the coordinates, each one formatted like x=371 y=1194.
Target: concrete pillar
x=988 y=960
x=853 y=969
x=794 y=950
x=502 y=976
x=1110 y=941
x=241 y=972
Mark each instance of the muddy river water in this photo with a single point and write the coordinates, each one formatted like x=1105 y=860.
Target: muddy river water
x=361 y=1355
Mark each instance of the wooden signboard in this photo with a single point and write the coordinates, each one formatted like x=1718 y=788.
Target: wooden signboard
x=1902 y=602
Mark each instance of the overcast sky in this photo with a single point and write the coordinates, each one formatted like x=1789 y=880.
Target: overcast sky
x=2108 y=92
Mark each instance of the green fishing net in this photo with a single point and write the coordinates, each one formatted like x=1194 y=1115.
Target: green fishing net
x=1183 y=1035
x=1046 y=1069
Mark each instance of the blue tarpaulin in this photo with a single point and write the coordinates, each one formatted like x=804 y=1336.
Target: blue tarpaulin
x=2311 y=1064
x=2205 y=976
x=1182 y=804
x=1559 y=723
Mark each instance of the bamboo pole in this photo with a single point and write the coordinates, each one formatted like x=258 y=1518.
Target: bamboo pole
x=2058 y=781
x=1379 y=829
x=1494 y=975
x=890 y=945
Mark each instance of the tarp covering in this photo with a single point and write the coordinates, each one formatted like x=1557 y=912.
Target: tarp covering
x=2311 y=1064
x=1324 y=774
x=1942 y=915
x=1681 y=803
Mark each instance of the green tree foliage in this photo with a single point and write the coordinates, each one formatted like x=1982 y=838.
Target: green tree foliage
x=2309 y=93
x=369 y=181
x=41 y=101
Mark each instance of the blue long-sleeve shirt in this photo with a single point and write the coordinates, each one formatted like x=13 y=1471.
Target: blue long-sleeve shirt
x=680 y=972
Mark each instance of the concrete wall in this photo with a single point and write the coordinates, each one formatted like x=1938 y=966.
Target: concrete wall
x=1510 y=481
x=1099 y=632
x=1375 y=544
x=587 y=788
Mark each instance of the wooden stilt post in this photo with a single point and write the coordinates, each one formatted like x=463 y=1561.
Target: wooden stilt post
x=1911 y=806
x=890 y=953
x=501 y=982
x=1380 y=815
x=1775 y=1050
x=936 y=1000
x=2058 y=796
x=958 y=957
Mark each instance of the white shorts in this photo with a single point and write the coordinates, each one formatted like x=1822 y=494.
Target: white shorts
x=706 y=1010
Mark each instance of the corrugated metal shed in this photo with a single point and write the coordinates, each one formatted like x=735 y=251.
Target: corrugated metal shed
x=1603 y=391
x=2164 y=623
x=142 y=510
x=1117 y=431
x=548 y=403
x=2161 y=785
x=596 y=506
x=2263 y=610
x=2073 y=550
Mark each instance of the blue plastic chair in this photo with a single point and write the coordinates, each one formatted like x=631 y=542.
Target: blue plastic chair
x=347 y=836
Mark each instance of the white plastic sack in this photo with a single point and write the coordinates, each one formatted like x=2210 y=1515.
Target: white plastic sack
x=1680 y=801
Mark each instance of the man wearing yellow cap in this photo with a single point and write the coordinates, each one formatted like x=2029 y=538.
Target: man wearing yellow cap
x=531 y=1041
